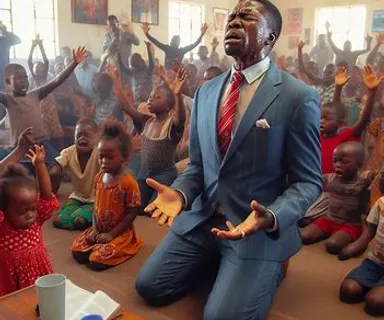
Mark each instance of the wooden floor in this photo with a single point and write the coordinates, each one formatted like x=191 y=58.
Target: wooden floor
x=309 y=292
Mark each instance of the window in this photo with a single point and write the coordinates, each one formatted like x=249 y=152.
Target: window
x=26 y=19
x=347 y=23
x=185 y=19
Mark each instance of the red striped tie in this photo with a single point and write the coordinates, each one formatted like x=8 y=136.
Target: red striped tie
x=227 y=113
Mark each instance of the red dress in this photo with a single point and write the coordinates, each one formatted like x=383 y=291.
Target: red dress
x=23 y=255
x=329 y=144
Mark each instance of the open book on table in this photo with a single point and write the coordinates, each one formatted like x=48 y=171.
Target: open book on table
x=80 y=302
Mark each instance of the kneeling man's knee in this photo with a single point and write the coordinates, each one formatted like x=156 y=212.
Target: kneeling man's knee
x=145 y=288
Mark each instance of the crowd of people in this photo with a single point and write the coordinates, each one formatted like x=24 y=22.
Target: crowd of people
x=121 y=130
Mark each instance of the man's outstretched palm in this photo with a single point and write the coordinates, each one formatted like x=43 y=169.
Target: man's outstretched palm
x=168 y=204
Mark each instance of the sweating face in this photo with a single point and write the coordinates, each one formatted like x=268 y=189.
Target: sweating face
x=247 y=32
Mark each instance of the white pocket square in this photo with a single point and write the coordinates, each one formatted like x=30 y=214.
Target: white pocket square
x=262 y=123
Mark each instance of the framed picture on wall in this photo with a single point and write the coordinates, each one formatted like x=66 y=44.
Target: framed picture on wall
x=90 y=11
x=145 y=11
x=294 y=23
x=220 y=17
x=378 y=21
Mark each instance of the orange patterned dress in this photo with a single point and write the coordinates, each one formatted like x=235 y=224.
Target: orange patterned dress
x=111 y=204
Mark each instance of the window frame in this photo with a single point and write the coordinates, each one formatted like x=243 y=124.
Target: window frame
x=347 y=35
x=35 y=19
x=193 y=37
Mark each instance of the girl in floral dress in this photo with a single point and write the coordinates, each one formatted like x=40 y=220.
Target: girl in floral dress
x=112 y=238
x=23 y=211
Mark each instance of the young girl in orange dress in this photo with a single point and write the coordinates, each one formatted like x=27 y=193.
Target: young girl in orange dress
x=112 y=239
x=23 y=211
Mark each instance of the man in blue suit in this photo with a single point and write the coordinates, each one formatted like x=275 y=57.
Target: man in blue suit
x=254 y=136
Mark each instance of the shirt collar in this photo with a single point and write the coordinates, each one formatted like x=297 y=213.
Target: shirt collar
x=254 y=72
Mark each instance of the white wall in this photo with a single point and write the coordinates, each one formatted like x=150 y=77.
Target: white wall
x=74 y=34
x=309 y=13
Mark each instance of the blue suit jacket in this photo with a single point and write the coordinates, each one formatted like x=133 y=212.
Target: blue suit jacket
x=279 y=167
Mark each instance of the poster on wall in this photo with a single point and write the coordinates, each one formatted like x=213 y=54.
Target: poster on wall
x=294 y=24
x=145 y=11
x=220 y=17
x=378 y=21
x=90 y=11
x=293 y=42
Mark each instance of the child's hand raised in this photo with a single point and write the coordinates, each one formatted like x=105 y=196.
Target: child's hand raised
x=112 y=72
x=36 y=155
x=204 y=28
x=370 y=78
x=301 y=44
x=341 y=77
x=79 y=55
x=177 y=85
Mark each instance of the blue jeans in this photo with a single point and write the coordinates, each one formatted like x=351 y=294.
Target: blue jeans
x=164 y=177
x=243 y=289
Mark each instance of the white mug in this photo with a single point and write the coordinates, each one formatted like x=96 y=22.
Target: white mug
x=51 y=294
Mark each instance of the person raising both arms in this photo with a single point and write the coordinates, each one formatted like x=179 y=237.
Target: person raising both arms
x=346 y=54
x=173 y=51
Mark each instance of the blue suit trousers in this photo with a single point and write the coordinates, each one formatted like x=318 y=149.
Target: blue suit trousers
x=243 y=288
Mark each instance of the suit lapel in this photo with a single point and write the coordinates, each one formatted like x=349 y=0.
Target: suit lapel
x=214 y=107
x=263 y=98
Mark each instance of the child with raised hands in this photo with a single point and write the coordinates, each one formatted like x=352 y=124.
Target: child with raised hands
x=161 y=131
x=24 y=207
x=23 y=106
x=332 y=132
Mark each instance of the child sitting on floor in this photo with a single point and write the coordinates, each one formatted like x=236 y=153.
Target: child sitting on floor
x=81 y=160
x=112 y=238
x=366 y=282
x=348 y=200
x=161 y=132
x=23 y=107
x=23 y=211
